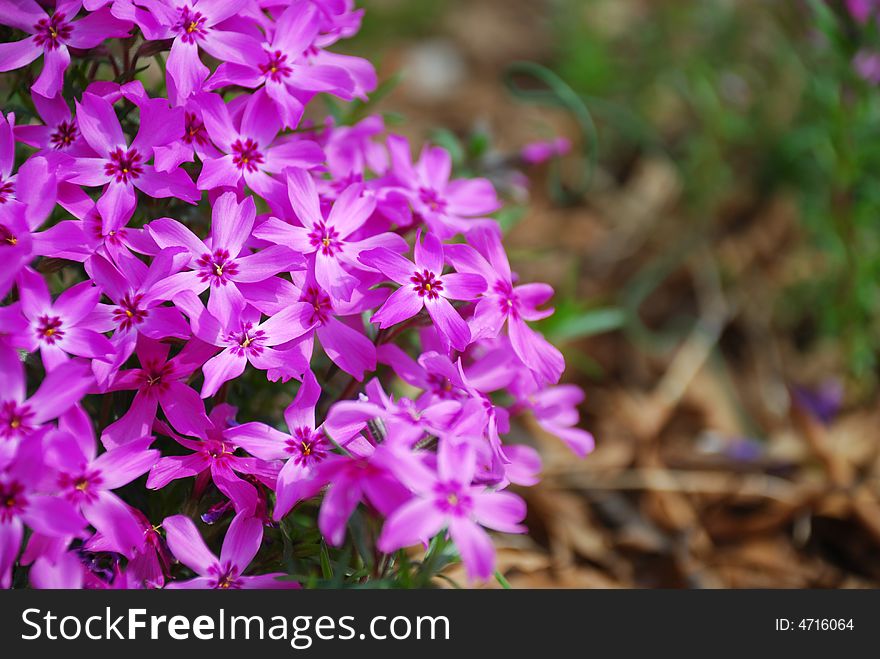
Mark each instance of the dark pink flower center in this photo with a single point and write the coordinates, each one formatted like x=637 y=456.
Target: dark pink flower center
x=427 y=284
x=276 y=66
x=320 y=302
x=307 y=446
x=154 y=378
x=7 y=238
x=432 y=200
x=81 y=488
x=50 y=32
x=441 y=386
x=113 y=237
x=129 y=313
x=217 y=449
x=452 y=499
x=190 y=25
x=64 y=135
x=227 y=576
x=124 y=166
x=246 y=155
x=12 y=501
x=326 y=239
x=49 y=329
x=194 y=130
x=247 y=342
x=507 y=298
x=15 y=419
x=6 y=190
x=217 y=268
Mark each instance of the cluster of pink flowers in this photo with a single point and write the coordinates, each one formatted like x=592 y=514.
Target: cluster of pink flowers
x=372 y=288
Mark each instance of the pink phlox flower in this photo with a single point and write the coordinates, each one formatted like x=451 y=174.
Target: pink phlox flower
x=250 y=151
x=220 y=262
x=283 y=70
x=21 y=417
x=240 y=546
x=87 y=479
x=121 y=167
x=64 y=573
x=304 y=446
x=541 y=151
x=555 y=410
x=133 y=310
x=193 y=141
x=208 y=25
x=386 y=419
x=27 y=501
x=62 y=327
x=148 y=568
x=329 y=239
x=503 y=301
x=337 y=325
x=243 y=338
x=446 y=499
x=423 y=285
x=213 y=458
x=58 y=135
x=50 y=36
x=447 y=207
x=159 y=381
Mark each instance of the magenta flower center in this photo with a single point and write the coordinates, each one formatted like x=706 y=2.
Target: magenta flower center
x=129 y=313
x=432 y=200
x=217 y=449
x=507 y=298
x=307 y=446
x=113 y=237
x=440 y=385
x=49 y=329
x=6 y=190
x=190 y=25
x=124 y=166
x=194 y=130
x=325 y=239
x=246 y=155
x=276 y=66
x=7 y=238
x=227 y=576
x=82 y=487
x=52 y=31
x=427 y=284
x=153 y=378
x=320 y=302
x=247 y=342
x=217 y=268
x=12 y=501
x=452 y=499
x=14 y=419
x=64 y=135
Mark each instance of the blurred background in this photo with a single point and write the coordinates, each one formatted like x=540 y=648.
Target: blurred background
x=712 y=235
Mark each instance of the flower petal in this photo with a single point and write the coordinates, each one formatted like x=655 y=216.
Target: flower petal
x=449 y=322
x=401 y=305
x=242 y=541
x=187 y=544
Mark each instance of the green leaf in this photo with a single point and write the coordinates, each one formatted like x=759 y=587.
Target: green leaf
x=326 y=569
x=570 y=323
